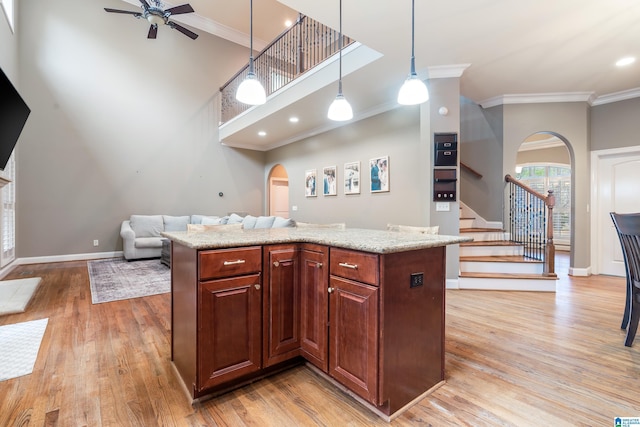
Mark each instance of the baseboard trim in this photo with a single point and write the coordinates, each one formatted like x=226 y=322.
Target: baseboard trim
x=71 y=257
x=581 y=272
x=452 y=284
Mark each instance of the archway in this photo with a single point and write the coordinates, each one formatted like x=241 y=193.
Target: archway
x=544 y=162
x=278 y=192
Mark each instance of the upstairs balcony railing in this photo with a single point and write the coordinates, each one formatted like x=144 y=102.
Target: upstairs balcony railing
x=301 y=47
x=531 y=222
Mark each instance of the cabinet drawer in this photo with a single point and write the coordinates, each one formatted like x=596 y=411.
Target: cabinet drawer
x=358 y=266
x=230 y=262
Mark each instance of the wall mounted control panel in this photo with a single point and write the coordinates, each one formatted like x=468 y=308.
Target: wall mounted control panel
x=445 y=162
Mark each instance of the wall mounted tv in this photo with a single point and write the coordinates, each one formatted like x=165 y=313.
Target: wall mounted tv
x=13 y=116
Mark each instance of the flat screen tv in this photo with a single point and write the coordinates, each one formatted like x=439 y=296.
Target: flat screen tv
x=13 y=116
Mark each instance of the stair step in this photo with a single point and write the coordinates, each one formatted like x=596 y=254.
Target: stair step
x=481 y=230
x=507 y=282
x=503 y=264
x=500 y=258
x=490 y=243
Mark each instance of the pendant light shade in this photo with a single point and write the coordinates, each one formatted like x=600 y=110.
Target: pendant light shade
x=413 y=90
x=250 y=90
x=340 y=109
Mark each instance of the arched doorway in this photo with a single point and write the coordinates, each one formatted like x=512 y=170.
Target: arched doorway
x=278 y=192
x=544 y=163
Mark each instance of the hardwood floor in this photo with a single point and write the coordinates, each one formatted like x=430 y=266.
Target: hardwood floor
x=513 y=358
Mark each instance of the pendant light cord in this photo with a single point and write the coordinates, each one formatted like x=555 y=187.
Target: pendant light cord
x=413 y=31
x=340 y=51
x=251 y=36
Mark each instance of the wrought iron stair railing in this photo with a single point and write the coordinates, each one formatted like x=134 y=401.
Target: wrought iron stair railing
x=531 y=222
x=301 y=47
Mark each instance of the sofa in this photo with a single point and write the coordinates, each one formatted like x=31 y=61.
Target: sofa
x=141 y=234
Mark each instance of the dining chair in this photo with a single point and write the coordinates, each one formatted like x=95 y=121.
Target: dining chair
x=628 y=228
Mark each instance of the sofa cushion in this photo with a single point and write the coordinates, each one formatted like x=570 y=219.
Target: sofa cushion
x=249 y=222
x=175 y=223
x=147 y=225
x=280 y=222
x=234 y=219
x=265 y=221
x=147 y=242
x=197 y=219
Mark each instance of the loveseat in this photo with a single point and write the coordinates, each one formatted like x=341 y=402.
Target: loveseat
x=141 y=236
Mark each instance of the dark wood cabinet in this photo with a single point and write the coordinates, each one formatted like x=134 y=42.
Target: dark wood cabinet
x=229 y=333
x=281 y=325
x=354 y=336
x=314 y=308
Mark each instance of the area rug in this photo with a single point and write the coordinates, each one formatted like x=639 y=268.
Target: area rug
x=16 y=294
x=19 y=346
x=116 y=279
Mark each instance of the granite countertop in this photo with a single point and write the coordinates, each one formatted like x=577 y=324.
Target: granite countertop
x=376 y=241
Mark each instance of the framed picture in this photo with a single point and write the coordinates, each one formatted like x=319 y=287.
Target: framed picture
x=329 y=181
x=379 y=168
x=310 y=183
x=352 y=178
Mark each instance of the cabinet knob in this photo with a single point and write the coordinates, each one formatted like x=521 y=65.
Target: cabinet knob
x=276 y=264
x=318 y=265
x=331 y=290
x=257 y=286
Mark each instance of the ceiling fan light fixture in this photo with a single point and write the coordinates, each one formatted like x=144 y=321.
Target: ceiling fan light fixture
x=413 y=90
x=250 y=91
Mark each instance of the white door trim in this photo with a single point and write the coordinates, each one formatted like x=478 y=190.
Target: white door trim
x=596 y=157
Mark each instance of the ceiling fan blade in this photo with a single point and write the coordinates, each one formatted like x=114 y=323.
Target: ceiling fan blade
x=145 y=5
x=122 y=11
x=185 y=8
x=153 y=31
x=182 y=29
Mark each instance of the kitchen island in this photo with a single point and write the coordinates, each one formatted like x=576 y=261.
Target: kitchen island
x=363 y=308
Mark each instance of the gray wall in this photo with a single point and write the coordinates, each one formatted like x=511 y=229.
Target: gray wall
x=120 y=125
x=481 y=134
x=395 y=134
x=9 y=48
x=545 y=155
x=615 y=125
x=571 y=122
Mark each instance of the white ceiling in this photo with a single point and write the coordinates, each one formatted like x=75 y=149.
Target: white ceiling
x=565 y=49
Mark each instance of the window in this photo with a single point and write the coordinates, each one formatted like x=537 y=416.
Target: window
x=7 y=7
x=8 y=210
x=544 y=177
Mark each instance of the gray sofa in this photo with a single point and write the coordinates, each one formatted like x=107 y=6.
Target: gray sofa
x=141 y=236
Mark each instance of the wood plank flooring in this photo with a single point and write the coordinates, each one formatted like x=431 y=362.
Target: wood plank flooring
x=513 y=359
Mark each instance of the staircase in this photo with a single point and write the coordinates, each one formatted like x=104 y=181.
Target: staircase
x=493 y=262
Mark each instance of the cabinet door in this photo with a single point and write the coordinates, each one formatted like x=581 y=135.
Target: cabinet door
x=354 y=336
x=282 y=303
x=229 y=329
x=314 y=315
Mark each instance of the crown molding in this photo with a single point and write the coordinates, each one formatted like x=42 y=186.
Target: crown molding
x=617 y=96
x=446 y=71
x=538 y=98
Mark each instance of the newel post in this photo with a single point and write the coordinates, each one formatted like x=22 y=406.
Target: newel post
x=550 y=249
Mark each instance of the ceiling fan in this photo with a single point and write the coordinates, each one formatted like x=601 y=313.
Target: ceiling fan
x=153 y=12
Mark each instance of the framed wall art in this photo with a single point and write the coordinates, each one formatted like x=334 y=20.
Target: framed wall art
x=379 y=169
x=310 y=183
x=352 y=178
x=329 y=180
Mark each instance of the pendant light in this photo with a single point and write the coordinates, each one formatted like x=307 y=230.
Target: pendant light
x=250 y=90
x=413 y=91
x=340 y=109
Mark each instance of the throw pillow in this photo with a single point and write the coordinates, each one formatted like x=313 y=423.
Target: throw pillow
x=147 y=225
x=234 y=219
x=211 y=220
x=249 y=222
x=175 y=223
x=265 y=221
x=280 y=222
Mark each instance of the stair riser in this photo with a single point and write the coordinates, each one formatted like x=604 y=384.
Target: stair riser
x=466 y=223
x=490 y=250
x=501 y=267
x=534 y=285
x=485 y=236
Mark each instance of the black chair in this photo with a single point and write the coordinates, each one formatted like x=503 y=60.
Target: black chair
x=628 y=228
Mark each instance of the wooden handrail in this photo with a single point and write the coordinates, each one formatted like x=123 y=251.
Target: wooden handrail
x=471 y=170
x=549 y=201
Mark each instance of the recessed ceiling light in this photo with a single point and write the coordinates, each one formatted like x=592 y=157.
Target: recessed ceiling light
x=287 y=23
x=262 y=133
x=294 y=119
x=625 y=61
